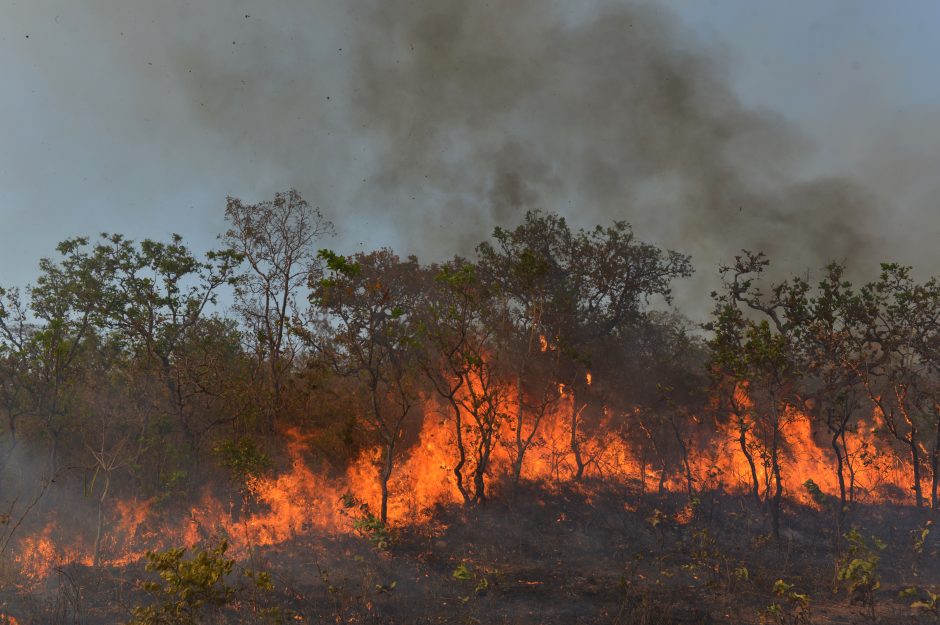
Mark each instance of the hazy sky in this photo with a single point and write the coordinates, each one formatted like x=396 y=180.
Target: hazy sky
x=806 y=127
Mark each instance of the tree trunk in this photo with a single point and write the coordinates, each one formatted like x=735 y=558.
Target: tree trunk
x=915 y=460
x=384 y=477
x=934 y=464
x=461 y=452
x=479 y=475
x=643 y=456
x=520 y=447
x=850 y=467
x=778 y=490
x=575 y=443
x=96 y=559
x=742 y=440
x=840 y=473
x=775 y=470
x=684 y=457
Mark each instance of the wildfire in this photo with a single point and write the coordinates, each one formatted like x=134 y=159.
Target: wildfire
x=302 y=499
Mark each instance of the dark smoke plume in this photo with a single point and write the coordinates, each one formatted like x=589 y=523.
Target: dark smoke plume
x=439 y=119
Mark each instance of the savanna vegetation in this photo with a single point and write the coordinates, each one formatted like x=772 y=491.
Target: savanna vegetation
x=277 y=432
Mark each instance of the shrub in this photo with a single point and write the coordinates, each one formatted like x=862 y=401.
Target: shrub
x=790 y=608
x=195 y=590
x=858 y=569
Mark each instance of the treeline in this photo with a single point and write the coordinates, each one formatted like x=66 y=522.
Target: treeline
x=844 y=356
x=120 y=366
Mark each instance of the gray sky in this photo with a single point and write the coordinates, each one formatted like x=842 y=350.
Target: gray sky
x=807 y=128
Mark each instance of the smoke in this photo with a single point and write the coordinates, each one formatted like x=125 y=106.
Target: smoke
x=422 y=124
x=468 y=114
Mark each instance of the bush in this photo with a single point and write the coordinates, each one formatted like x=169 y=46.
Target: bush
x=194 y=591
x=790 y=608
x=858 y=569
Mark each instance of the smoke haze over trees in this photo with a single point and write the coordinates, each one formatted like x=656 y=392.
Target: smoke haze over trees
x=423 y=125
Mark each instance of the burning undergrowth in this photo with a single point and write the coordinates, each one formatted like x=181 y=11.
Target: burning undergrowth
x=616 y=545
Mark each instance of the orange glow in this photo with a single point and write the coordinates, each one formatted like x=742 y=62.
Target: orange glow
x=302 y=499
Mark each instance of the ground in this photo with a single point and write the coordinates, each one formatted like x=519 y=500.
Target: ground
x=589 y=554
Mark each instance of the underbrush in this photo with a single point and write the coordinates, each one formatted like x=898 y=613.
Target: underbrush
x=584 y=555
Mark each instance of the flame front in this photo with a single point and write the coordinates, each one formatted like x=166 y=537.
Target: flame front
x=302 y=500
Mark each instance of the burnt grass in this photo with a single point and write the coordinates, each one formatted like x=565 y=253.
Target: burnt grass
x=584 y=555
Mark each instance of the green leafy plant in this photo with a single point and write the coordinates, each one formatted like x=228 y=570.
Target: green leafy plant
x=925 y=600
x=789 y=608
x=919 y=542
x=858 y=569
x=462 y=572
x=243 y=459
x=816 y=493
x=722 y=570
x=366 y=523
x=196 y=590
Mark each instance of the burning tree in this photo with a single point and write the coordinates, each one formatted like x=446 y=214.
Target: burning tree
x=463 y=365
x=757 y=358
x=577 y=288
x=367 y=331
x=900 y=361
x=823 y=341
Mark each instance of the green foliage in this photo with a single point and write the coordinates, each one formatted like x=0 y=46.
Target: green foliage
x=366 y=523
x=339 y=264
x=919 y=540
x=375 y=530
x=815 y=492
x=925 y=600
x=189 y=591
x=789 y=608
x=462 y=572
x=243 y=459
x=721 y=570
x=196 y=590
x=858 y=568
x=173 y=483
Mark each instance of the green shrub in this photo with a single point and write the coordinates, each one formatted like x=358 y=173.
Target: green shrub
x=196 y=590
x=858 y=569
x=367 y=524
x=244 y=459
x=789 y=608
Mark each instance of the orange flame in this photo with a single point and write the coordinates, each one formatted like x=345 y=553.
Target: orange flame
x=301 y=499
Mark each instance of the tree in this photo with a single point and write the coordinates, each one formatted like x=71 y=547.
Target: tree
x=823 y=336
x=366 y=308
x=66 y=301
x=661 y=369
x=899 y=361
x=157 y=297
x=577 y=288
x=15 y=331
x=729 y=370
x=110 y=429
x=826 y=342
x=757 y=356
x=462 y=362
x=276 y=238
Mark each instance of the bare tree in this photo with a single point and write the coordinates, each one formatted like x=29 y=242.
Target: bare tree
x=276 y=238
